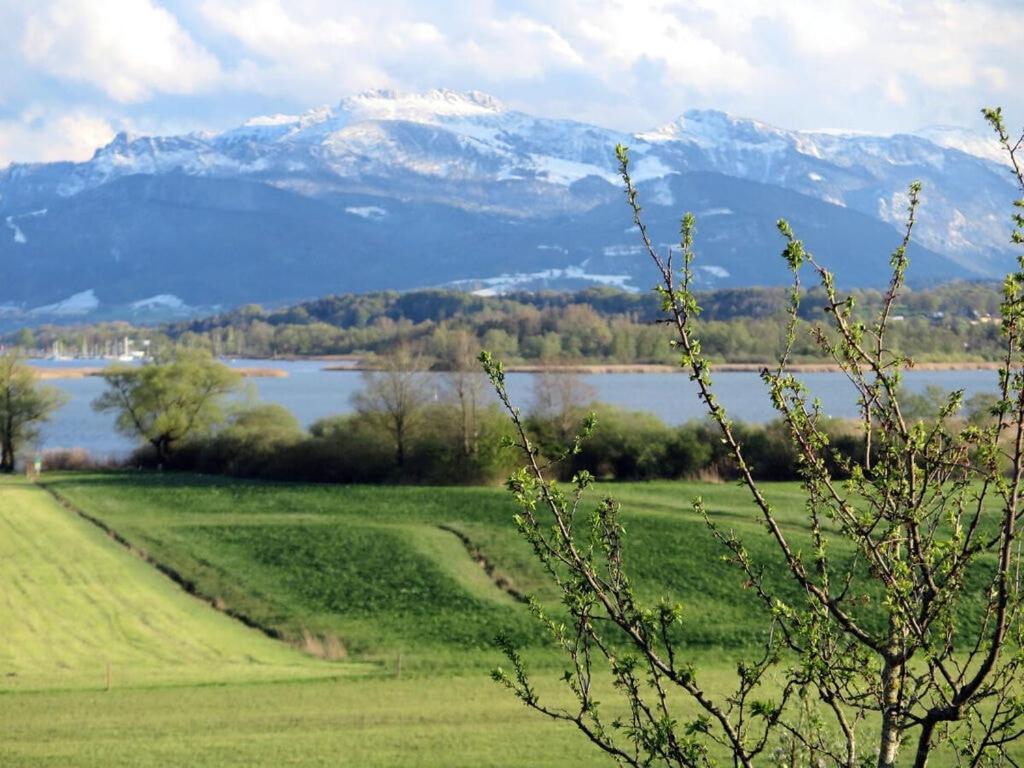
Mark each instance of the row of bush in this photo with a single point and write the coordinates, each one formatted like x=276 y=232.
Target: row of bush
x=267 y=442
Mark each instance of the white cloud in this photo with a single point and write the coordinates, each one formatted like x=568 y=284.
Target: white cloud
x=129 y=49
x=868 y=64
x=308 y=56
x=860 y=64
x=623 y=33
x=514 y=48
x=324 y=50
x=894 y=91
x=265 y=27
x=39 y=135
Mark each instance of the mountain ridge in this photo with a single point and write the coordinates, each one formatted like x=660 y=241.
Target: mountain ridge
x=457 y=170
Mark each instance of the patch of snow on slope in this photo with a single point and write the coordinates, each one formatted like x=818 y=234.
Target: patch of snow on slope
x=661 y=194
x=496 y=286
x=270 y=120
x=622 y=250
x=160 y=301
x=970 y=142
x=561 y=171
x=12 y=224
x=649 y=167
x=893 y=210
x=714 y=270
x=955 y=229
x=81 y=303
x=19 y=236
x=371 y=212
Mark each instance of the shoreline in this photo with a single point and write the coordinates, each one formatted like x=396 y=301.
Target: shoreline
x=619 y=368
x=57 y=374
x=586 y=369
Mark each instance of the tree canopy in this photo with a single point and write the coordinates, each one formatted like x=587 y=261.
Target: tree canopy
x=394 y=395
x=169 y=400
x=24 y=405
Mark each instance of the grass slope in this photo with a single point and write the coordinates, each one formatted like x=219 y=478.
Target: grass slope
x=74 y=602
x=363 y=569
x=370 y=570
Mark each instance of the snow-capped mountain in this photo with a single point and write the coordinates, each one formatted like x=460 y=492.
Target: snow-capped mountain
x=984 y=145
x=386 y=190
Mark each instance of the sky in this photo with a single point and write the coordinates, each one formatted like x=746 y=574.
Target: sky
x=77 y=71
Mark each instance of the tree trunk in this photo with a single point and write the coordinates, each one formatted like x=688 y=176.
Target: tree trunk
x=467 y=405
x=162 y=451
x=7 y=455
x=465 y=423
x=7 y=438
x=924 y=744
x=889 y=742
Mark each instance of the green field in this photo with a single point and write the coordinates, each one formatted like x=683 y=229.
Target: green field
x=190 y=686
x=388 y=622
x=374 y=572
x=74 y=606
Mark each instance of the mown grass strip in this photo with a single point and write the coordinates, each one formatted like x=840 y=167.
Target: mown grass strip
x=74 y=605
x=171 y=573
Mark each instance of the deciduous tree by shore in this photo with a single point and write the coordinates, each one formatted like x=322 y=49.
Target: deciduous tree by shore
x=395 y=396
x=169 y=400
x=24 y=405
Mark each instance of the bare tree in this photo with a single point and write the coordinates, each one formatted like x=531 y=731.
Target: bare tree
x=465 y=383
x=394 y=395
x=878 y=649
x=559 y=396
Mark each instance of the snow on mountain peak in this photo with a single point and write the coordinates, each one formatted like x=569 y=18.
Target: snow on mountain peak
x=117 y=145
x=266 y=121
x=421 y=107
x=709 y=127
x=984 y=145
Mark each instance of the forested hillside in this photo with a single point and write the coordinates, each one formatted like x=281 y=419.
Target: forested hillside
x=956 y=321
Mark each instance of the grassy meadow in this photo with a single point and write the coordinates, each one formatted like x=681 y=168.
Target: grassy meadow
x=388 y=621
x=74 y=606
x=370 y=572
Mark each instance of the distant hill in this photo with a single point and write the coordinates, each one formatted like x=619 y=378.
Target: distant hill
x=391 y=191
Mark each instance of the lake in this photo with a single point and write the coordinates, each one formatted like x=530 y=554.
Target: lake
x=311 y=393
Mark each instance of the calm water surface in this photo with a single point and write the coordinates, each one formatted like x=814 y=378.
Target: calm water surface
x=311 y=393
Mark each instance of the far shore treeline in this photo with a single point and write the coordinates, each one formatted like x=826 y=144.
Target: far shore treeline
x=952 y=322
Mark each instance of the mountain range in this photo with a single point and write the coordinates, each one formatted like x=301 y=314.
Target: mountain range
x=400 y=191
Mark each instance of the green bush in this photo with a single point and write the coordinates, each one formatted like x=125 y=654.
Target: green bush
x=266 y=441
